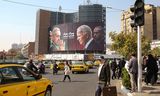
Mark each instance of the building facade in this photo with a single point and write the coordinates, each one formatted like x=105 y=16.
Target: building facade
x=28 y=49
x=152 y=21
x=46 y=19
x=92 y=13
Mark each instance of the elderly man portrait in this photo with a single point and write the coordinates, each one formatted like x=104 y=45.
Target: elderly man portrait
x=84 y=36
x=56 y=43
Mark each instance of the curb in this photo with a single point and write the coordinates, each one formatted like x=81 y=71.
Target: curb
x=144 y=93
x=126 y=91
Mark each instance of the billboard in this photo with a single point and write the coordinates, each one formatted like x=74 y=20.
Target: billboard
x=78 y=37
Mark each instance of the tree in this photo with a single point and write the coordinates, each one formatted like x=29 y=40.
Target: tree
x=126 y=43
x=19 y=56
x=156 y=51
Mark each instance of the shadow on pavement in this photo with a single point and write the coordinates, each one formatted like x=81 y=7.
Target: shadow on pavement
x=157 y=92
x=148 y=88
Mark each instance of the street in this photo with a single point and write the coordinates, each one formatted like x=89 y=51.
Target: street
x=82 y=84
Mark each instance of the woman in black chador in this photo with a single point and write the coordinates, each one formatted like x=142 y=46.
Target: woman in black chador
x=152 y=69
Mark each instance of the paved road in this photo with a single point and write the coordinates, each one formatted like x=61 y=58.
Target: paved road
x=80 y=85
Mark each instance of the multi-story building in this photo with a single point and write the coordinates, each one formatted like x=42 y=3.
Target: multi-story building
x=92 y=13
x=152 y=21
x=28 y=49
x=17 y=46
x=46 y=19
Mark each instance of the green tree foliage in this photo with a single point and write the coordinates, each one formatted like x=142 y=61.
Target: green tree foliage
x=156 y=51
x=126 y=43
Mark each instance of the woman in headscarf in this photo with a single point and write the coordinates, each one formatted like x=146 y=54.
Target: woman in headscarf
x=152 y=69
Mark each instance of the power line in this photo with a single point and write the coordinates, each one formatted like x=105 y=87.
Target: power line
x=20 y=3
x=114 y=8
x=114 y=11
x=33 y=5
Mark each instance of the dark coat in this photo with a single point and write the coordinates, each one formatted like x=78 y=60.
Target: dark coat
x=113 y=65
x=105 y=73
x=93 y=46
x=152 y=69
x=101 y=42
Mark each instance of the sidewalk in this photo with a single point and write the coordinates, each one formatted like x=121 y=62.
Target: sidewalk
x=147 y=90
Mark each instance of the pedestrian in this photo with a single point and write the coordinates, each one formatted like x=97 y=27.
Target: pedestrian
x=133 y=72
x=144 y=61
x=103 y=76
x=31 y=66
x=121 y=65
x=113 y=68
x=67 y=71
x=55 y=68
x=41 y=67
x=152 y=69
x=108 y=71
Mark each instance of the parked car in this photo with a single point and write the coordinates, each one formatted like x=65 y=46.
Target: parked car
x=79 y=66
x=16 y=80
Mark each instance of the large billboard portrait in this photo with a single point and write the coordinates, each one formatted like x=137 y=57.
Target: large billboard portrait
x=88 y=37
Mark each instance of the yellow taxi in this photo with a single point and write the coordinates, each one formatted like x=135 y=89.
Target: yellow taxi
x=60 y=65
x=89 y=64
x=97 y=62
x=79 y=66
x=16 y=80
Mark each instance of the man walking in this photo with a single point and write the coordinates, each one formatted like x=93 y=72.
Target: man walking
x=103 y=76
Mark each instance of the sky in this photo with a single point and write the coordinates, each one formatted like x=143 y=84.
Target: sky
x=18 y=17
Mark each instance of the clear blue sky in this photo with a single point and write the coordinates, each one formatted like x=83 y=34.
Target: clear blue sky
x=18 y=21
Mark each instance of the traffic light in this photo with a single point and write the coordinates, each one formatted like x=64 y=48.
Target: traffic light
x=139 y=12
x=132 y=16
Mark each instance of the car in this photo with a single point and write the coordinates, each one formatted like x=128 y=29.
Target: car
x=60 y=65
x=16 y=80
x=89 y=64
x=79 y=66
x=96 y=62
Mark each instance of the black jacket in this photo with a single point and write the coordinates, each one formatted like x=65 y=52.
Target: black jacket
x=105 y=73
x=93 y=46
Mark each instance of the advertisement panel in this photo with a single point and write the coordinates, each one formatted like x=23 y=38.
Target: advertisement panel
x=83 y=37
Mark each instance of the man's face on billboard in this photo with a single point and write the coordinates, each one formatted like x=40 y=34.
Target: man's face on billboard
x=81 y=37
x=97 y=33
x=55 y=36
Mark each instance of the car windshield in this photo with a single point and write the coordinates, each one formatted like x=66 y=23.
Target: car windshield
x=89 y=62
x=77 y=62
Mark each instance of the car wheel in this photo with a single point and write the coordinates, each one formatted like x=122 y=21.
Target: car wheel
x=48 y=92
